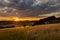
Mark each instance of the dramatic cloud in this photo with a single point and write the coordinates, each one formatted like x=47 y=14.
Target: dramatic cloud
x=29 y=7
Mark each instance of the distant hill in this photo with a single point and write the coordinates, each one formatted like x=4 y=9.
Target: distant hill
x=49 y=20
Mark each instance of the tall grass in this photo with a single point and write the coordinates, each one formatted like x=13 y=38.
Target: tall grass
x=13 y=34
x=31 y=33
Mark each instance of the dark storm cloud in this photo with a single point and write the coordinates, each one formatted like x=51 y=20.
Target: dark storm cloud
x=30 y=7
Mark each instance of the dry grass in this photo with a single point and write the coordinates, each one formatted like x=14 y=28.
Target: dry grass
x=39 y=32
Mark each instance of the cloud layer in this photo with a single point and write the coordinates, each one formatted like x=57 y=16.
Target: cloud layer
x=29 y=7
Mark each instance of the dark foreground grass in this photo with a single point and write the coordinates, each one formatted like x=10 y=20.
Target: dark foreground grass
x=13 y=34
x=44 y=32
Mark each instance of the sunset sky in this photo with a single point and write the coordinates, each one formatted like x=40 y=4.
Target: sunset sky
x=30 y=8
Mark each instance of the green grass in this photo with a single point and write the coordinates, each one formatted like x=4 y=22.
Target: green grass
x=31 y=33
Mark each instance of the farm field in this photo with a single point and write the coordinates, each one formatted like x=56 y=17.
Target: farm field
x=38 y=32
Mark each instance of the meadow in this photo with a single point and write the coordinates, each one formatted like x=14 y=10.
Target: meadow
x=38 y=32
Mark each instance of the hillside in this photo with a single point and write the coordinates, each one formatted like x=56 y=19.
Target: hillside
x=39 y=32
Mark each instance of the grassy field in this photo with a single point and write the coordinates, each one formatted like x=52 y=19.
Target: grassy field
x=39 y=32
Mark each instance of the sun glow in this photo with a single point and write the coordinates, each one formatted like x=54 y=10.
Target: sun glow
x=17 y=19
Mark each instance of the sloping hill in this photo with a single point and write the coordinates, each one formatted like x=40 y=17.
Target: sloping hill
x=39 y=32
